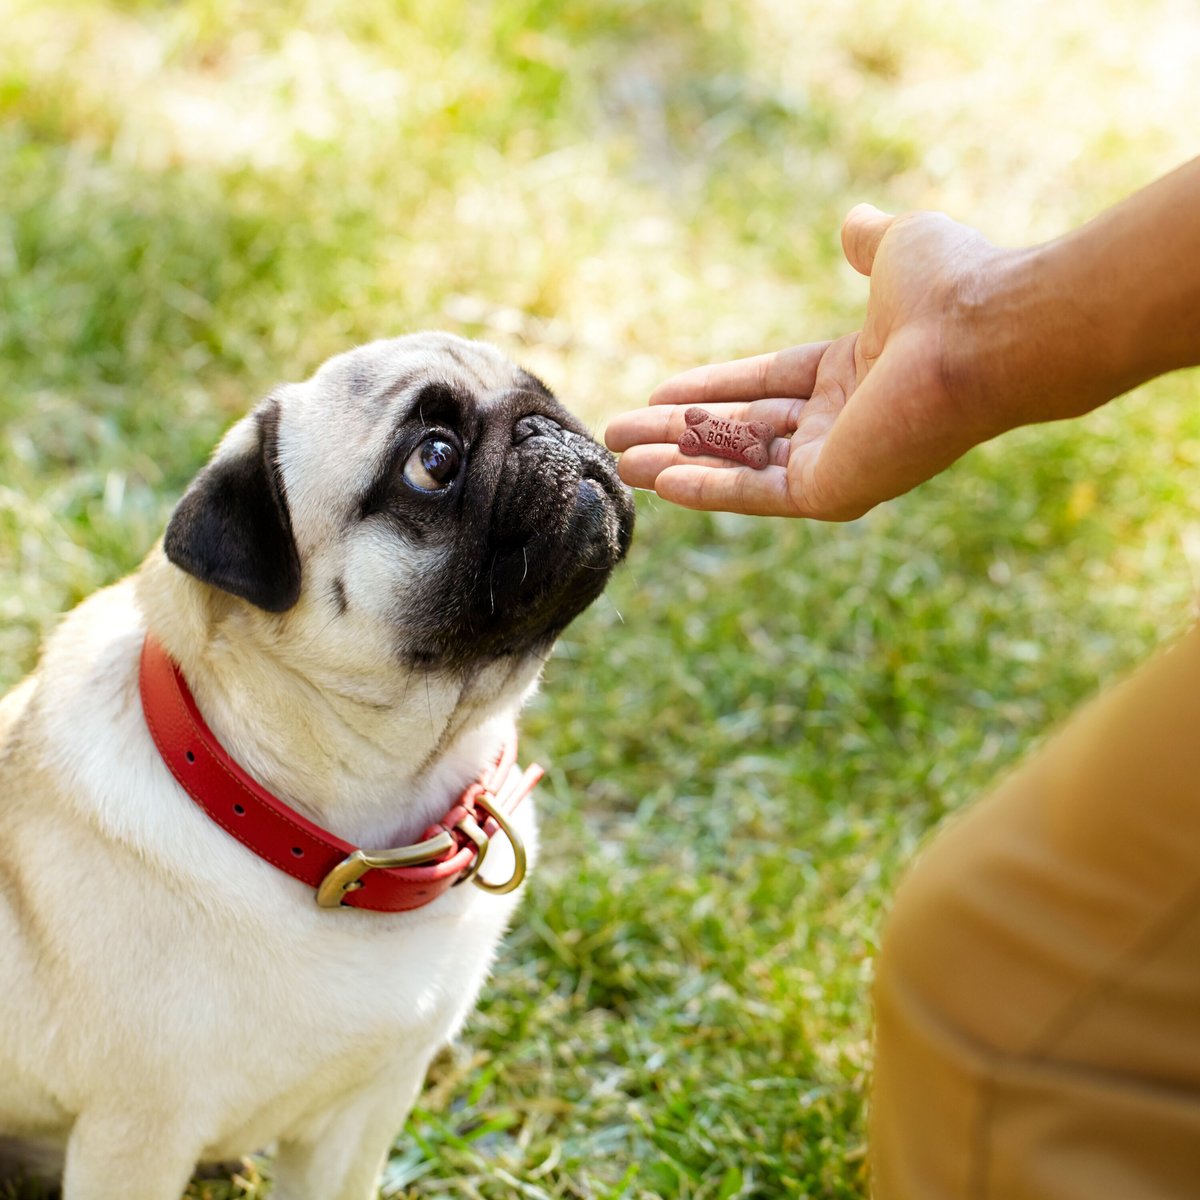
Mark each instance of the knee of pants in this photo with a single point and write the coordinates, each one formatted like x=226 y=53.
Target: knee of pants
x=1019 y=905
x=927 y=1053
x=1010 y=1060
x=952 y=944
x=914 y=953
x=990 y=938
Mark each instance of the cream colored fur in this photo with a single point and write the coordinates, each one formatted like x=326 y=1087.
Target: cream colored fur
x=167 y=998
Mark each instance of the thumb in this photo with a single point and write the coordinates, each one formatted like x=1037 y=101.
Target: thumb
x=862 y=231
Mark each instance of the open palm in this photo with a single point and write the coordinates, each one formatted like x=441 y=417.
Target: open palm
x=859 y=419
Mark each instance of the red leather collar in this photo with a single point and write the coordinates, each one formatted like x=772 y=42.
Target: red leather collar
x=450 y=851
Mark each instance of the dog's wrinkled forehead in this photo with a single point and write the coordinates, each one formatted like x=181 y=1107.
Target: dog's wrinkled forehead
x=376 y=374
x=334 y=426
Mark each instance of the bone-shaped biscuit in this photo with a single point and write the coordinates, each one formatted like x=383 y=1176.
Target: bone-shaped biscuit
x=746 y=442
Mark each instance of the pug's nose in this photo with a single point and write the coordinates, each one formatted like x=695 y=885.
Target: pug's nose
x=535 y=425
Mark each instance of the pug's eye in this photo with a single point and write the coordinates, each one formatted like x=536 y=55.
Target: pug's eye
x=433 y=465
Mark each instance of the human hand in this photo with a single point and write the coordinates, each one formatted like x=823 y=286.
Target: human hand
x=860 y=419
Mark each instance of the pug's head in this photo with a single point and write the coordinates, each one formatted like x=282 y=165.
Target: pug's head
x=419 y=504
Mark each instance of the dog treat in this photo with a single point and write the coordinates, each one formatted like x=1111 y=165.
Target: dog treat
x=746 y=442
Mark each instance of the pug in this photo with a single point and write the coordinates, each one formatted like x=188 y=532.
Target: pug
x=260 y=827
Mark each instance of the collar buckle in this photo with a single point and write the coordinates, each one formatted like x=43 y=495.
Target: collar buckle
x=347 y=875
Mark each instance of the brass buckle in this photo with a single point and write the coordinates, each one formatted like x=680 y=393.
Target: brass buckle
x=346 y=876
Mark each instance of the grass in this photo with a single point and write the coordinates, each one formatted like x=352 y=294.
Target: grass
x=749 y=736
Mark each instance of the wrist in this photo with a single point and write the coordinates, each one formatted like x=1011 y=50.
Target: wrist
x=1033 y=336
x=1056 y=330
x=992 y=350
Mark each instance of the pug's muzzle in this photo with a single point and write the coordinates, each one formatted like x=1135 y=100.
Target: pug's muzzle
x=544 y=519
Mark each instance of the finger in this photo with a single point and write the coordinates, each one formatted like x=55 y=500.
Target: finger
x=665 y=423
x=862 y=231
x=833 y=386
x=756 y=493
x=641 y=466
x=787 y=373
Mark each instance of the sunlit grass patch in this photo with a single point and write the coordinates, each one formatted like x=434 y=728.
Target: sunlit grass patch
x=750 y=735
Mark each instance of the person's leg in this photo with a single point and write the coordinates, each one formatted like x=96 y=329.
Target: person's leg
x=1037 y=992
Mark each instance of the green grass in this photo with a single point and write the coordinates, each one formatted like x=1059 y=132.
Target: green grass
x=750 y=734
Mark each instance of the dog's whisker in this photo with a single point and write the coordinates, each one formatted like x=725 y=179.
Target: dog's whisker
x=613 y=606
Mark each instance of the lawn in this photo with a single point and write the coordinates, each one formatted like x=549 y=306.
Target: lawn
x=751 y=734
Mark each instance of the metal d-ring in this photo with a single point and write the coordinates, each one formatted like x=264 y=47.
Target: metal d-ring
x=493 y=810
x=470 y=827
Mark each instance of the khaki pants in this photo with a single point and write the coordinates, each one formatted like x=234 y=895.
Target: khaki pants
x=1038 y=988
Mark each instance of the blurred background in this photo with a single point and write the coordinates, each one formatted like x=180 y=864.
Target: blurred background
x=751 y=733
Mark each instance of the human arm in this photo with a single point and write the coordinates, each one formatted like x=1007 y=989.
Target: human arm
x=962 y=341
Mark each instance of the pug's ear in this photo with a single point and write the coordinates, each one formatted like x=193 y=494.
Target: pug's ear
x=232 y=528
